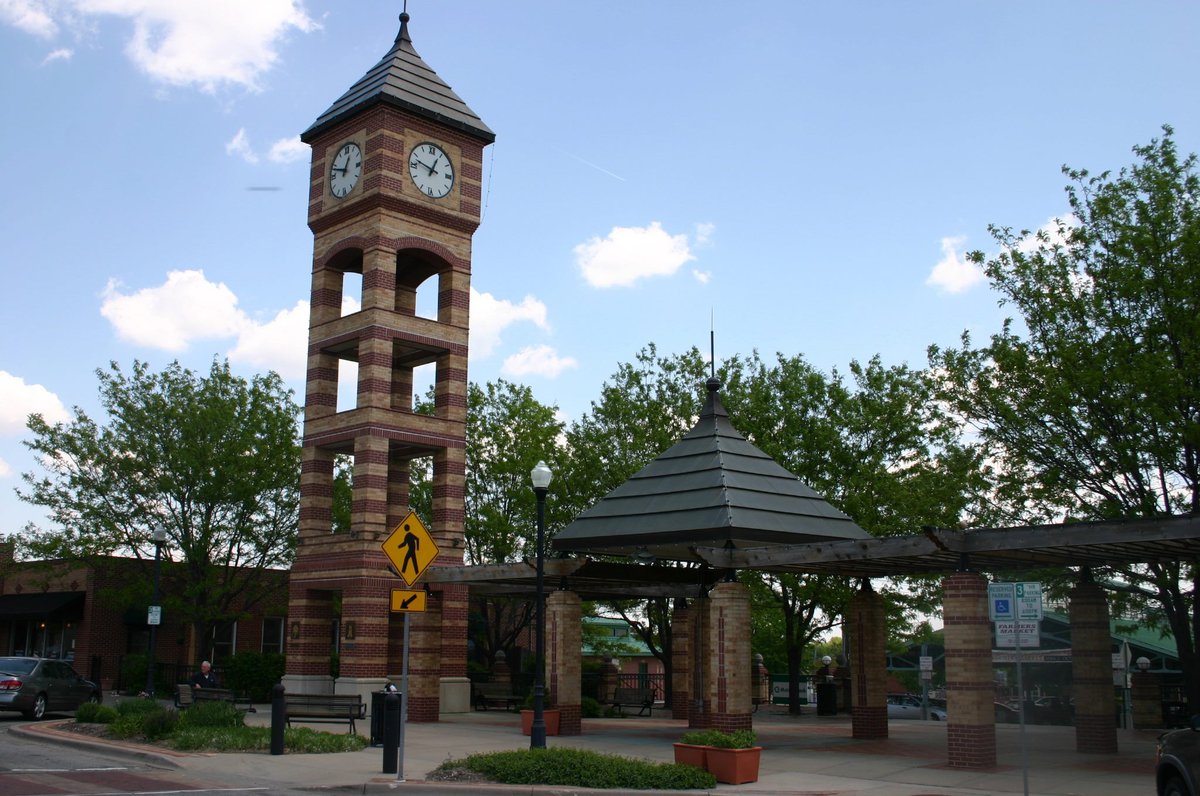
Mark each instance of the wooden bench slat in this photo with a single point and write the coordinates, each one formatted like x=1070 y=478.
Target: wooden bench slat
x=325 y=708
x=642 y=698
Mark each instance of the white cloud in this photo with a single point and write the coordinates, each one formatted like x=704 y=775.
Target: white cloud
x=539 y=360
x=702 y=277
x=631 y=253
x=490 y=316
x=19 y=400
x=288 y=150
x=954 y=273
x=186 y=307
x=197 y=43
x=279 y=344
x=61 y=54
x=5 y=469
x=704 y=233
x=1053 y=233
x=29 y=16
x=240 y=145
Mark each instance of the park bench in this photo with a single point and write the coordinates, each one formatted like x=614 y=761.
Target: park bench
x=325 y=708
x=642 y=698
x=487 y=694
x=186 y=696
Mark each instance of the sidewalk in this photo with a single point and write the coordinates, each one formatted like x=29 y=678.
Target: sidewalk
x=809 y=756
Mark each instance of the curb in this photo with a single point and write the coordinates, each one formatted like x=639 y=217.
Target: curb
x=49 y=731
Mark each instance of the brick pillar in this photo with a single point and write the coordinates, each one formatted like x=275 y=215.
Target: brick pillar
x=425 y=661
x=563 y=660
x=681 y=660
x=608 y=679
x=1091 y=671
x=1146 y=694
x=501 y=673
x=699 y=710
x=727 y=645
x=971 y=723
x=867 y=628
x=762 y=681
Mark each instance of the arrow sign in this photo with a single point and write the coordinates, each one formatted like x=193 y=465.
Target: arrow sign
x=408 y=601
x=410 y=548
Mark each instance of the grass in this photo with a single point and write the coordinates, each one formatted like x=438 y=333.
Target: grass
x=582 y=769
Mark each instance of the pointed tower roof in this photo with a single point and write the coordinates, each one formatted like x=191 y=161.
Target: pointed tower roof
x=710 y=489
x=404 y=81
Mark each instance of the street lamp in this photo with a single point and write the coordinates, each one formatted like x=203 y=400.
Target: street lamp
x=154 y=615
x=540 y=475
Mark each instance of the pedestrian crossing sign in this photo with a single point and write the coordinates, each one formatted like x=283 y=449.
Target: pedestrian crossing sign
x=410 y=548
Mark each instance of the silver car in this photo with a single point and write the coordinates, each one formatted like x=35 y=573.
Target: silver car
x=37 y=686
x=907 y=706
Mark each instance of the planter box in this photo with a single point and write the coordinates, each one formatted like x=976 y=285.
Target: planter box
x=549 y=715
x=733 y=766
x=690 y=754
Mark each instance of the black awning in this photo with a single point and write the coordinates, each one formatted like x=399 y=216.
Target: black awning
x=57 y=605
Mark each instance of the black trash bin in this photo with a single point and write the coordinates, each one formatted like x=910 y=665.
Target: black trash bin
x=378 y=706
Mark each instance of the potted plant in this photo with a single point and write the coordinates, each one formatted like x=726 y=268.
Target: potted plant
x=731 y=757
x=550 y=715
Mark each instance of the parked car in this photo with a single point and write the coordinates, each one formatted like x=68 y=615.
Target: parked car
x=908 y=706
x=1007 y=713
x=1177 y=761
x=37 y=686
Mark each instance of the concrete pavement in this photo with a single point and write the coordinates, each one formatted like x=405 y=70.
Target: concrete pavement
x=808 y=755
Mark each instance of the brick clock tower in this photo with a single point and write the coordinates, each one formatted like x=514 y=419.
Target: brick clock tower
x=394 y=197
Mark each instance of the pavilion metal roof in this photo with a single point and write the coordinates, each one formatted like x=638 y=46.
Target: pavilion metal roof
x=401 y=79
x=712 y=488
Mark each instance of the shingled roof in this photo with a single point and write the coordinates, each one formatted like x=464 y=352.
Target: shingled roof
x=713 y=488
x=404 y=81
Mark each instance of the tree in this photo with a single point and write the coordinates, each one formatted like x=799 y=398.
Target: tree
x=212 y=460
x=1090 y=406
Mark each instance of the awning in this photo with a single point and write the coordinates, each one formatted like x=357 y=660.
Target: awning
x=57 y=605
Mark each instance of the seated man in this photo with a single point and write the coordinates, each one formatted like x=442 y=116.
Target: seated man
x=205 y=677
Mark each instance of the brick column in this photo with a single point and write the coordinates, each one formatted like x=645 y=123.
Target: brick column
x=425 y=661
x=727 y=664
x=970 y=726
x=1146 y=694
x=681 y=660
x=608 y=679
x=699 y=710
x=1091 y=671
x=867 y=628
x=563 y=660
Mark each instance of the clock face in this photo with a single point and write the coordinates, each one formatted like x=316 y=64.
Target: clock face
x=431 y=170
x=346 y=168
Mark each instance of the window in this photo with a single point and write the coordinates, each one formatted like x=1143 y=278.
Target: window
x=272 y=634
x=224 y=641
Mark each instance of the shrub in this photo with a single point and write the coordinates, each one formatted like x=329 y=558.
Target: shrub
x=159 y=724
x=253 y=674
x=136 y=707
x=738 y=739
x=95 y=713
x=590 y=708
x=582 y=768
x=126 y=725
x=302 y=740
x=212 y=714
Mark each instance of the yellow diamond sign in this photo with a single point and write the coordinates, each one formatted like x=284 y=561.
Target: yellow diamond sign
x=410 y=548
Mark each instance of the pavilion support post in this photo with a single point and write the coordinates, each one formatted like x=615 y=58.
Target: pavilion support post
x=425 y=661
x=868 y=664
x=971 y=726
x=698 y=707
x=727 y=638
x=681 y=660
x=564 y=662
x=1091 y=670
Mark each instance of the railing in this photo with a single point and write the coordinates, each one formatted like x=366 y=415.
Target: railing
x=644 y=680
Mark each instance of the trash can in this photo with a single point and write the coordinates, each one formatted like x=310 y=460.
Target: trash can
x=826 y=699
x=378 y=707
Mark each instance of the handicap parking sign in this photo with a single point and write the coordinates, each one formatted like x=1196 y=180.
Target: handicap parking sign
x=1001 y=602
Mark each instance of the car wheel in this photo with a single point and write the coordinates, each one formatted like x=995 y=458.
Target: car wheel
x=1175 y=787
x=38 y=710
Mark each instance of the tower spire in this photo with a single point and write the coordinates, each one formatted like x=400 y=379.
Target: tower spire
x=403 y=36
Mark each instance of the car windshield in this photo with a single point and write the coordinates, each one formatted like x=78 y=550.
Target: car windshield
x=17 y=665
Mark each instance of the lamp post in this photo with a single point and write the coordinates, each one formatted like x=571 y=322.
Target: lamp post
x=540 y=475
x=154 y=615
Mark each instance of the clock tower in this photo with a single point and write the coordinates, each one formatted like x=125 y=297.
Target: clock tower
x=395 y=194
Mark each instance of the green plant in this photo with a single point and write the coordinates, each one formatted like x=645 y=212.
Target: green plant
x=301 y=740
x=136 y=707
x=738 y=739
x=126 y=725
x=95 y=713
x=581 y=768
x=253 y=674
x=212 y=714
x=159 y=724
x=590 y=708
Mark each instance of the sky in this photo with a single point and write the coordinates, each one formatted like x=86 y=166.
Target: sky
x=804 y=178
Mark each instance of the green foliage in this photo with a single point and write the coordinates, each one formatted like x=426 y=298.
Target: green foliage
x=127 y=725
x=133 y=672
x=590 y=708
x=1089 y=403
x=214 y=460
x=211 y=713
x=95 y=713
x=298 y=740
x=253 y=674
x=137 y=707
x=582 y=769
x=159 y=724
x=738 y=739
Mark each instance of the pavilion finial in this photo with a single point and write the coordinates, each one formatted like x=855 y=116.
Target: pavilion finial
x=403 y=36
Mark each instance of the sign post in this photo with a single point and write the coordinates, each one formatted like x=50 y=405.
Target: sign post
x=1016 y=608
x=411 y=550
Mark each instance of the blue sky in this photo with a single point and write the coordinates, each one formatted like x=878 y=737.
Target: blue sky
x=808 y=174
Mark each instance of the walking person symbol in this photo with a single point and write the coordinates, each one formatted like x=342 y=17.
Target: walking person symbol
x=412 y=543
